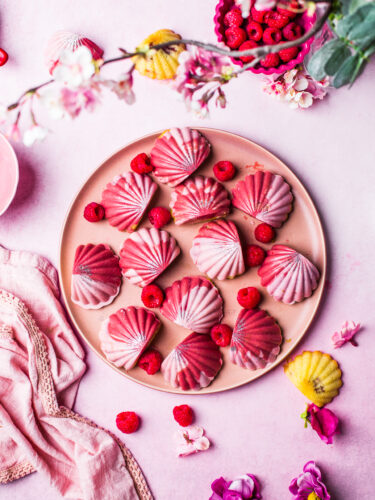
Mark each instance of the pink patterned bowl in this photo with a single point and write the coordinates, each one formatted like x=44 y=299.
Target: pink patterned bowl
x=304 y=20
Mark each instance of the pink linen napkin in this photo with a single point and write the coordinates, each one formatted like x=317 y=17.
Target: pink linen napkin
x=41 y=364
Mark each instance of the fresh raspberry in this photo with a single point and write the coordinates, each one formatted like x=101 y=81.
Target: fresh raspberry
x=159 y=217
x=264 y=232
x=254 y=255
x=235 y=36
x=94 y=212
x=271 y=36
x=183 y=415
x=270 y=61
x=152 y=296
x=221 y=334
x=233 y=17
x=141 y=164
x=248 y=297
x=249 y=44
x=3 y=57
x=150 y=361
x=275 y=19
x=254 y=31
x=224 y=171
x=127 y=422
x=258 y=15
x=290 y=11
x=292 y=31
x=287 y=55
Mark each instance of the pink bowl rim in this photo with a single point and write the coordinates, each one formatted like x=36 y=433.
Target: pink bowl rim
x=17 y=171
x=266 y=71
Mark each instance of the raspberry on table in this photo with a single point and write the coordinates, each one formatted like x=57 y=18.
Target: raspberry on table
x=258 y=15
x=234 y=37
x=249 y=297
x=128 y=422
x=221 y=334
x=292 y=31
x=254 y=255
x=233 y=17
x=287 y=55
x=276 y=19
x=152 y=296
x=3 y=57
x=150 y=361
x=270 y=61
x=254 y=31
x=224 y=170
x=272 y=36
x=184 y=415
x=159 y=217
x=94 y=212
x=249 y=44
x=264 y=232
x=141 y=164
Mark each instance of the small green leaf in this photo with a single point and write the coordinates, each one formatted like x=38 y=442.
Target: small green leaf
x=350 y=21
x=364 y=29
x=348 y=71
x=316 y=64
x=355 y=4
x=336 y=60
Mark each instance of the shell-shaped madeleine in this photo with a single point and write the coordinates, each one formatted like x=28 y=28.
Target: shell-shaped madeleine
x=265 y=196
x=177 y=153
x=146 y=254
x=194 y=303
x=96 y=278
x=288 y=275
x=316 y=374
x=193 y=364
x=217 y=250
x=256 y=339
x=126 y=334
x=126 y=199
x=161 y=64
x=199 y=199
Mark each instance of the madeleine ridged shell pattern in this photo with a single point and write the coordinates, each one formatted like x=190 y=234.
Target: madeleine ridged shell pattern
x=193 y=364
x=126 y=334
x=288 y=276
x=146 y=254
x=256 y=339
x=217 y=250
x=177 y=153
x=265 y=196
x=194 y=303
x=126 y=199
x=96 y=278
x=199 y=199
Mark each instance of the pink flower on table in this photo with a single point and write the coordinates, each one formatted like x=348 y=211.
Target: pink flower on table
x=123 y=88
x=13 y=133
x=76 y=100
x=309 y=485
x=244 y=487
x=74 y=68
x=346 y=334
x=191 y=440
x=324 y=422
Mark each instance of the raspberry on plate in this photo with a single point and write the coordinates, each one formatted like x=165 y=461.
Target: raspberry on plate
x=292 y=31
x=233 y=17
x=254 y=255
x=264 y=232
x=270 y=61
x=258 y=15
x=235 y=36
x=183 y=415
x=271 y=36
x=150 y=361
x=249 y=44
x=152 y=296
x=159 y=217
x=127 y=422
x=141 y=164
x=94 y=212
x=224 y=170
x=249 y=297
x=254 y=31
x=291 y=10
x=287 y=55
x=276 y=19
x=221 y=334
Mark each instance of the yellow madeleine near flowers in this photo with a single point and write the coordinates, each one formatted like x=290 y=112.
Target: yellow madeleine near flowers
x=316 y=374
x=160 y=64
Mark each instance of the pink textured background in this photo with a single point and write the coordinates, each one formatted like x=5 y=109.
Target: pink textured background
x=331 y=147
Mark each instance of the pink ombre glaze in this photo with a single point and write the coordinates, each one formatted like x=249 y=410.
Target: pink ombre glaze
x=9 y=174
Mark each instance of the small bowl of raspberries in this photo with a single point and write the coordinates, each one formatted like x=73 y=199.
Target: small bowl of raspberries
x=264 y=27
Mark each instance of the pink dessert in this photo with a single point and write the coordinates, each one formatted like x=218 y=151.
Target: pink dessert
x=199 y=199
x=288 y=276
x=256 y=339
x=217 y=250
x=96 y=278
x=193 y=364
x=8 y=174
x=177 y=153
x=265 y=196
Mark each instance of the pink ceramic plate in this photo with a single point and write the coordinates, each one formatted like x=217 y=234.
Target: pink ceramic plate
x=8 y=174
x=302 y=231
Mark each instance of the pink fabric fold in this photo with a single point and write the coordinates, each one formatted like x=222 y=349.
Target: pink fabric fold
x=41 y=364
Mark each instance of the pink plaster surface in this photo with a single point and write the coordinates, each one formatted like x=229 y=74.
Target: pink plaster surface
x=255 y=428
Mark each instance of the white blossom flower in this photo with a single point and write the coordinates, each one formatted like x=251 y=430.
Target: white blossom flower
x=123 y=87
x=52 y=100
x=74 y=68
x=34 y=134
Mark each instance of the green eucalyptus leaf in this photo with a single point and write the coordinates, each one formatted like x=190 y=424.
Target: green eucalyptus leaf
x=364 y=29
x=336 y=60
x=366 y=43
x=348 y=71
x=355 y=4
x=348 y=22
x=316 y=64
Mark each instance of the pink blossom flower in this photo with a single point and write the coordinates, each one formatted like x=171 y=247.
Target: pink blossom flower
x=346 y=334
x=123 y=88
x=244 y=487
x=74 y=68
x=13 y=133
x=324 y=422
x=76 y=100
x=34 y=134
x=309 y=485
x=191 y=440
